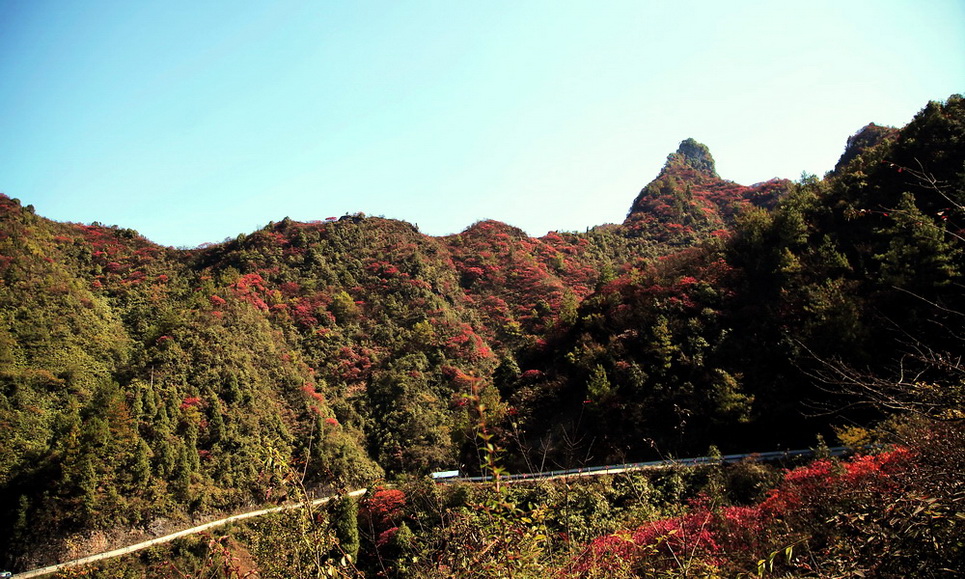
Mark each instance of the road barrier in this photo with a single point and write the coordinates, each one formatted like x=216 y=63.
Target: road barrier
x=654 y=464
x=168 y=538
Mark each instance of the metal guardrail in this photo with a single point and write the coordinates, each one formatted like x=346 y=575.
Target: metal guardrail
x=653 y=464
x=168 y=538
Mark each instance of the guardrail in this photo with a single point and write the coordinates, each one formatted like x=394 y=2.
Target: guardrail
x=168 y=538
x=653 y=464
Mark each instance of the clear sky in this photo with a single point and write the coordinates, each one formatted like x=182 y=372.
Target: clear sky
x=193 y=121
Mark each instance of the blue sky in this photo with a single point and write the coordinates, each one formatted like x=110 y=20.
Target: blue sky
x=196 y=121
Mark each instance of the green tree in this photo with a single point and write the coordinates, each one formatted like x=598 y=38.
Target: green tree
x=917 y=255
x=598 y=386
x=345 y=520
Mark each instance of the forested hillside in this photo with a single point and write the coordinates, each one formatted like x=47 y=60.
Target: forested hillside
x=142 y=385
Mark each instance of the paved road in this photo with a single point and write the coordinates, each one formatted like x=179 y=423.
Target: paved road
x=173 y=536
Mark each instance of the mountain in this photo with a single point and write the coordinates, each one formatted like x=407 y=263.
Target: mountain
x=142 y=384
x=688 y=201
x=869 y=137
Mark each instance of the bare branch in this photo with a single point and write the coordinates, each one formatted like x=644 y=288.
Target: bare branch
x=925 y=382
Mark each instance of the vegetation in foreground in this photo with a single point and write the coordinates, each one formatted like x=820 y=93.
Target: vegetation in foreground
x=899 y=512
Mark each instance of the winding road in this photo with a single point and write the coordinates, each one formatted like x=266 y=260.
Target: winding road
x=521 y=477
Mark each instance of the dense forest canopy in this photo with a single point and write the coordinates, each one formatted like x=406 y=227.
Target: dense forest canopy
x=141 y=383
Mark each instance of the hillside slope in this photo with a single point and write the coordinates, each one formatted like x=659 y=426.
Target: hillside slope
x=140 y=383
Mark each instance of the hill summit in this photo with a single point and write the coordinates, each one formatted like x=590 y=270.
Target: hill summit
x=688 y=200
x=695 y=155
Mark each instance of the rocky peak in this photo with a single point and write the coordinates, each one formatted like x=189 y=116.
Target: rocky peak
x=692 y=154
x=689 y=201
